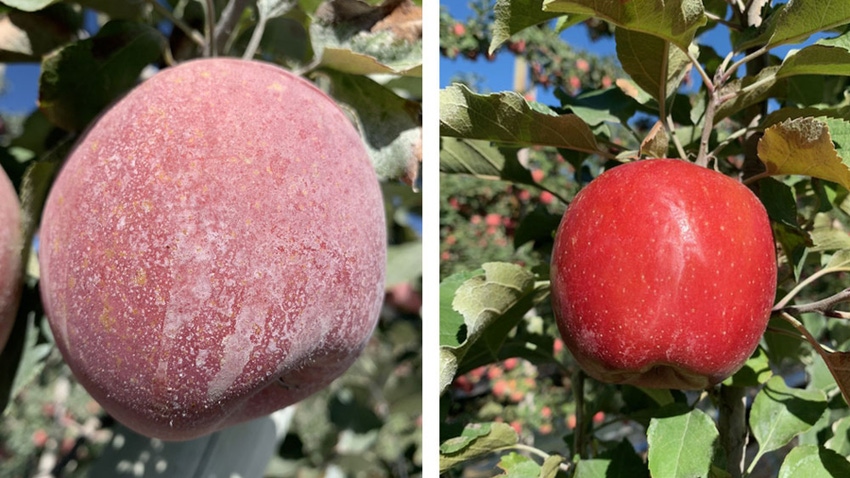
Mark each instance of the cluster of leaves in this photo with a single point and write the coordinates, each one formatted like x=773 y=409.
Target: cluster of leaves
x=779 y=122
x=367 y=56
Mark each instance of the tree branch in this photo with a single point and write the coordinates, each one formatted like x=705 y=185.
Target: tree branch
x=190 y=32
x=823 y=306
x=230 y=15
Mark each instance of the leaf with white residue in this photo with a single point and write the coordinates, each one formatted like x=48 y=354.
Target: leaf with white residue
x=802 y=146
x=490 y=305
x=508 y=118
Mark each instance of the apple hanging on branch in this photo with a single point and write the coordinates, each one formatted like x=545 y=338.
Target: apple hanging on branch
x=213 y=249
x=663 y=275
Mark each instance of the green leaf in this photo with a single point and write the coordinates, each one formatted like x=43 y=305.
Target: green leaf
x=795 y=244
x=551 y=466
x=513 y=16
x=778 y=199
x=681 y=445
x=795 y=21
x=483 y=299
x=651 y=63
x=78 y=81
x=33 y=358
x=661 y=396
x=404 y=263
x=481 y=159
x=538 y=225
x=477 y=439
x=28 y=5
x=29 y=36
x=840 y=441
x=673 y=20
x=780 y=413
x=621 y=461
x=388 y=123
x=491 y=305
x=825 y=57
x=839 y=132
x=508 y=118
x=812 y=461
x=515 y=465
x=451 y=321
x=749 y=90
x=756 y=371
x=598 y=106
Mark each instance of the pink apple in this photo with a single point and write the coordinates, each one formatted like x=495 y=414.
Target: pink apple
x=11 y=243
x=213 y=249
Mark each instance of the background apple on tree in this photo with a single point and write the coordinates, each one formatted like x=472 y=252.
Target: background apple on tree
x=160 y=185
x=771 y=118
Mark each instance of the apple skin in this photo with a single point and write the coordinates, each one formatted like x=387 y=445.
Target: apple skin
x=213 y=249
x=663 y=275
x=11 y=243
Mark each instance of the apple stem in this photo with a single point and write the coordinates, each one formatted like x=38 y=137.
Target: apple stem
x=732 y=424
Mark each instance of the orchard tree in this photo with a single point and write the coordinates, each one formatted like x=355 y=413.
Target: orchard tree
x=209 y=256
x=649 y=317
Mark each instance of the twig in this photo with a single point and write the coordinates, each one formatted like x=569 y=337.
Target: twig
x=209 y=48
x=723 y=21
x=743 y=61
x=254 y=43
x=702 y=73
x=823 y=306
x=672 y=133
x=737 y=134
x=578 y=395
x=178 y=22
x=732 y=423
x=780 y=306
x=229 y=18
x=710 y=111
x=565 y=466
x=757 y=177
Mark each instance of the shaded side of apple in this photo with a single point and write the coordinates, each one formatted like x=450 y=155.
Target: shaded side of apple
x=11 y=243
x=663 y=275
x=214 y=248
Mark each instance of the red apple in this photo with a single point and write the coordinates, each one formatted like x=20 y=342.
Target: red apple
x=641 y=269
x=213 y=249
x=10 y=257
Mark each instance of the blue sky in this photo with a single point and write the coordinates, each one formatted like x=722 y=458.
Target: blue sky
x=20 y=88
x=498 y=74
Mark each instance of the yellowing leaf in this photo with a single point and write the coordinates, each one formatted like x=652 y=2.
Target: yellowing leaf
x=802 y=146
x=656 y=142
